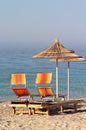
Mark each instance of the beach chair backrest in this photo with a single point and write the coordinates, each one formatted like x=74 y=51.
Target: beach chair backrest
x=44 y=83
x=18 y=84
x=18 y=79
x=44 y=78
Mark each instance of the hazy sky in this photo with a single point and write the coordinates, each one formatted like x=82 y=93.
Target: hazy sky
x=34 y=22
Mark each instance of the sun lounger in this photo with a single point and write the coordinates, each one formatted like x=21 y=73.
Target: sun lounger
x=42 y=107
x=44 y=86
x=18 y=85
x=61 y=104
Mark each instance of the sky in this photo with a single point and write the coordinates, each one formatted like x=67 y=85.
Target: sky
x=40 y=22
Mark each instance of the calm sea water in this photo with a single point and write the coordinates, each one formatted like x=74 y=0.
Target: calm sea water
x=21 y=61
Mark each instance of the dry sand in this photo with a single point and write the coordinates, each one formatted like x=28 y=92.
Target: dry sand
x=65 y=121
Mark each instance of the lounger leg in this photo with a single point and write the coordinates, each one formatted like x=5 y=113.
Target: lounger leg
x=14 y=110
x=48 y=111
x=29 y=111
x=75 y=107
x=32 y=111
x=61 y=108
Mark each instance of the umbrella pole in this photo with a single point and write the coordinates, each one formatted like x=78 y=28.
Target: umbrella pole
x=56 y=79
x=68 y=88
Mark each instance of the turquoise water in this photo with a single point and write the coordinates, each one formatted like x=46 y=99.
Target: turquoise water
x=21 y=61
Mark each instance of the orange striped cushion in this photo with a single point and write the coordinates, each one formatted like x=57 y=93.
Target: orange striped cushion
x=21 y=92
x=45 y=91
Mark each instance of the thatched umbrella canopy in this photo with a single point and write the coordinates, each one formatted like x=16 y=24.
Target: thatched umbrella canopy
x=77 y=58
x=57 y=52
x=69 y=60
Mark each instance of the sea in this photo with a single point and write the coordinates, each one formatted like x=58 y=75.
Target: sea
x=19 y=60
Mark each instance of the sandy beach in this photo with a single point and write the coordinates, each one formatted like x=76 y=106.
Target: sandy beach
x=65 y=121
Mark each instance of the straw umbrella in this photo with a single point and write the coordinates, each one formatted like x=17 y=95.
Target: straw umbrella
x=68 y=73
x=57 y=52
